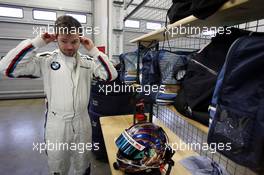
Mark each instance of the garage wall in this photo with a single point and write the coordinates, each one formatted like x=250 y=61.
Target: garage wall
x=132 y=33
x=153 y=11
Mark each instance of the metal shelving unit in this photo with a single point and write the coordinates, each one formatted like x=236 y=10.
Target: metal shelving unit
x=231 y=13
x=244 y=14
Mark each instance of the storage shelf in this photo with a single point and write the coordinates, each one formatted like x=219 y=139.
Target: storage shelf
x=196 y=124
x=231 y=13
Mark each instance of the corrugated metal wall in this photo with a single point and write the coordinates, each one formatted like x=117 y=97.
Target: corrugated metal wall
x=153 y=11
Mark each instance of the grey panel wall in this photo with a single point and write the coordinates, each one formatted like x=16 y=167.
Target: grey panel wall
x=14 y=30
x=129 y=35
x=132 y=33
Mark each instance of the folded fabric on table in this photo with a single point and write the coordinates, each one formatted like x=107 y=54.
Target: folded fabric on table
x=201 y=165
x=167 y=95
x=163 y=102
x=130 y=78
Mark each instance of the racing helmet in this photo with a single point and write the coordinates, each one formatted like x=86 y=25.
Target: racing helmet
x=143 y=149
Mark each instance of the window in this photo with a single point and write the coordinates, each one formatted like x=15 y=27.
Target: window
x=209 y=33
x=153 y=26
x=44 y=15
x=11 y=12
x=261 y=29
x=80 y=18
x=132 y=24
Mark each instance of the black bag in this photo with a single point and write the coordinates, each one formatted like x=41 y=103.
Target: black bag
x=179 y=10
x=107 y=97
x=198 y=84
x=205 y=8
x=199 y=8
x=98 y=149
x=238 y=104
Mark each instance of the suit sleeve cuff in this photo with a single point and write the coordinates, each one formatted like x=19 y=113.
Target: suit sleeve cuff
x=94 y=52
x=38 y=42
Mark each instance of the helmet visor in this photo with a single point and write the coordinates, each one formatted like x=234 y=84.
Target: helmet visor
x=128 y=145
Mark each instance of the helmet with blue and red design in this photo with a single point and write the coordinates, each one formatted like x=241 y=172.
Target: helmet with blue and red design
x=143 y=148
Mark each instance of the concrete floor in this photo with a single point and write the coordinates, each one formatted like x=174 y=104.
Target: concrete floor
x=21 y=125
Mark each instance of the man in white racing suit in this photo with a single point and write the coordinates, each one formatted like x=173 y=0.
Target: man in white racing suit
x=67 y=76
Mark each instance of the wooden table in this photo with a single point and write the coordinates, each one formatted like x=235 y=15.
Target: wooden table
x=113 y=126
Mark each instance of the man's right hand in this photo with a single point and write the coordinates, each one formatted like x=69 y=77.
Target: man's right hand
x=48 y=37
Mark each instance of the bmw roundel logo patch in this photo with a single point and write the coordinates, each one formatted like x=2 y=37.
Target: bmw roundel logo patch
x=55 y=65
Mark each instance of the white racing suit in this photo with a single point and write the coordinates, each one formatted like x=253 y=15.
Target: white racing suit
x=67 y=93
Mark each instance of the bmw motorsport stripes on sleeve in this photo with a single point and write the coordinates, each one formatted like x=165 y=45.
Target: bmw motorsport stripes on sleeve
x=109 y=78
x=16 y=60
x=22 y=60
x=102 y=68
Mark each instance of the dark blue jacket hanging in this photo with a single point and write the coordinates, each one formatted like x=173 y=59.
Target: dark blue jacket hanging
x=237 y=110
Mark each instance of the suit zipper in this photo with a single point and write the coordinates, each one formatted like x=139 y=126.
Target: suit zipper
x=73 y=104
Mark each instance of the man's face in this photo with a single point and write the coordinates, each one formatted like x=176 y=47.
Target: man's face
x=68 y=43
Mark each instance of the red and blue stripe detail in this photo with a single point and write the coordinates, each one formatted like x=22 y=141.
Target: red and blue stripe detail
x=16 y=60
x=109 y=78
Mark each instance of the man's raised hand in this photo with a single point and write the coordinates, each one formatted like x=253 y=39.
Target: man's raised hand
x=87 y=43
x=48 y=37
